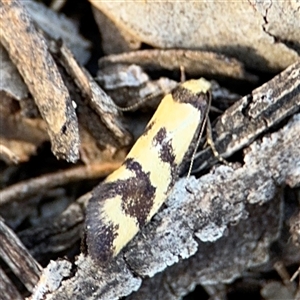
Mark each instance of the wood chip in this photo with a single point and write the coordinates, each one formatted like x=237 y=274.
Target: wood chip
x=132 y=89
x=16 y=256
x=258 y=33
x=98 y=99
x=28 y=50
x=25 y=189
x=194 y=62
x=254 y=114
x=8 y=290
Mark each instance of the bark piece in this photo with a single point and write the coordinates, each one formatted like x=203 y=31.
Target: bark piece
x=58 y=26
x=132 y=89
x=194 y=62
x=98 y=99
x=16 y=256
x=114 y=39
x=28 y=188
x=28 y=51
x=56 y=235
x=261 y=40
x=51 y=278
x=8 y=290
x=254 y=115
x=120 y=76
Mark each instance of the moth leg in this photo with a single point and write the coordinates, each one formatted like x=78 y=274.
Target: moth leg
x=204 y=121
x=210 y=142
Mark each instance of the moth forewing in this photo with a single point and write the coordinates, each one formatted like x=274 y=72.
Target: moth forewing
x=131 y=195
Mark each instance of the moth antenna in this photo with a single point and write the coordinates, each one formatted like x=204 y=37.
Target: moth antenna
x=141 y=101
x=200 y=136
x=138 y=103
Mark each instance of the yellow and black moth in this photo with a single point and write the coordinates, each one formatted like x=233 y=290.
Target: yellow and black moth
x=132 y=194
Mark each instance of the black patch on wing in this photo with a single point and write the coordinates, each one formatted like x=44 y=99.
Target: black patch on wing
x=100 y=236
x=137 y=194
x=198 y=100
x=166 y=153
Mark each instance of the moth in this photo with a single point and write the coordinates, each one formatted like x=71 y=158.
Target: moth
x=127 y=200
